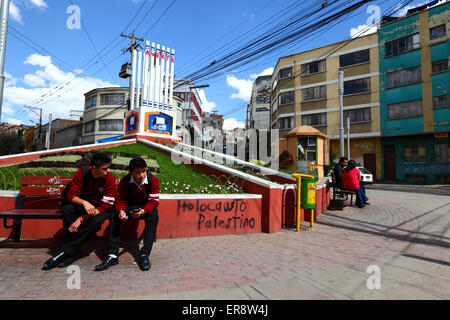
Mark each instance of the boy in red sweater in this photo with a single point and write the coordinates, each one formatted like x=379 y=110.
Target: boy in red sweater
x=90 y=201
x=138 y=198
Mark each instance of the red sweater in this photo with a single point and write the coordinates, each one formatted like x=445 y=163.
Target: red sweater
x=137 y=196
x=350 y=179
x=101 y=193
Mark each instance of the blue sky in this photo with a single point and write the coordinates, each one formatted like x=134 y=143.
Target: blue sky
x=194 y=28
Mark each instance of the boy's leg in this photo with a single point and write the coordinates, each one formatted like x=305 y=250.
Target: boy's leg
x=114 y=234
x=83 y=234
x=70 y=213
x=151 y=223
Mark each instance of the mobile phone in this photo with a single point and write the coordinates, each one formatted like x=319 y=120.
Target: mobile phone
x=136 y=210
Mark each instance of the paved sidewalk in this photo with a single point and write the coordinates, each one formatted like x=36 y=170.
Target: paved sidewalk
x=405 y=234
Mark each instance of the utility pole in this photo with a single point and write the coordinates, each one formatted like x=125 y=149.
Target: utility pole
x=40 y=119
x=49 y=132
x=341 y=111
x=133 y=45
x=348 y=138
x=3 y=33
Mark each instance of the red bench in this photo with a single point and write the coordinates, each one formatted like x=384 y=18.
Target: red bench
x=39 y=198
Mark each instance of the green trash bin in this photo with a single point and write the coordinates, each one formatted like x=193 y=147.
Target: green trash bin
x=308 y=193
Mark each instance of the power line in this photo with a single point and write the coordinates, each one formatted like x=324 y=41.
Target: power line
x=159 y=18
x=93 y=44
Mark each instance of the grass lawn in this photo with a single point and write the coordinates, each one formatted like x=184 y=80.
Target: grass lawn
x=173 y=179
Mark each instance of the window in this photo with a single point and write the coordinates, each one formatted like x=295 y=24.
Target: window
x=274 y=106
x=314 y=93
x=286 y=123
x=357 y=86
x=317 y=119
x=354 y=58
x=180 y=95
x=416 y=177
x=405 y=109
x=89 y=126
x=110 y=125
x=308 y=150
x=439 y=66
x=313 y=67
x=286 y=97
x=443 y=178
x=112 y=99
x=437 y=32
x=442 y=153
x=285 y=73
x=415 y=153
x=91 y=102
x=403 y=77
x=357 y=115
x=402 y=45
x=441 y=101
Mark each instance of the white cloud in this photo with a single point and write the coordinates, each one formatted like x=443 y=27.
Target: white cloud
x=267 y=72
x=39 y=3
x=34 y=81
x=6 y=108
x=14 y=121
x=14 y=12
x=43 y=81
x=243 y=86
x=362 y=30
x=10 y=80
x=232 y=123
x=206 y=106
x=38 y=60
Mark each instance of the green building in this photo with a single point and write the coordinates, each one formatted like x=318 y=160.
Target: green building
x=414 y=96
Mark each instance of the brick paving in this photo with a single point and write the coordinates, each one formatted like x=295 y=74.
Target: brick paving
x=339 y=239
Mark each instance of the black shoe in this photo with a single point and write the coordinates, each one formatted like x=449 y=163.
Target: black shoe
x=53 y=262
x=109 y=262
x=71 y=259
x=144 y=264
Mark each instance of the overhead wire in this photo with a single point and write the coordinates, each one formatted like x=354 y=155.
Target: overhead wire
x=332 y=50
x=87 y=65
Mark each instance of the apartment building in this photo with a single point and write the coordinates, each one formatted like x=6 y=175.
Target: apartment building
x=414 y=95
x=104 y=113
x=305 y=92
x=258 y=110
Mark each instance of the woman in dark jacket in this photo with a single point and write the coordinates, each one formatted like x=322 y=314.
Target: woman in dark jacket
x=350 y=180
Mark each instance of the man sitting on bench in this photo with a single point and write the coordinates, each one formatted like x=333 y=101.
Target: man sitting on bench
x=337 y=172
x=89 y=201
x=138 y=198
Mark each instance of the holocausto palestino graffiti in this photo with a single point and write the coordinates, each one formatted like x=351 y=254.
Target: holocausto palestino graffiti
x=228 y=213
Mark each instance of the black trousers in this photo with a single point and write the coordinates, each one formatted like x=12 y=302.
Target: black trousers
x=151 y=223
x=74 y=241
